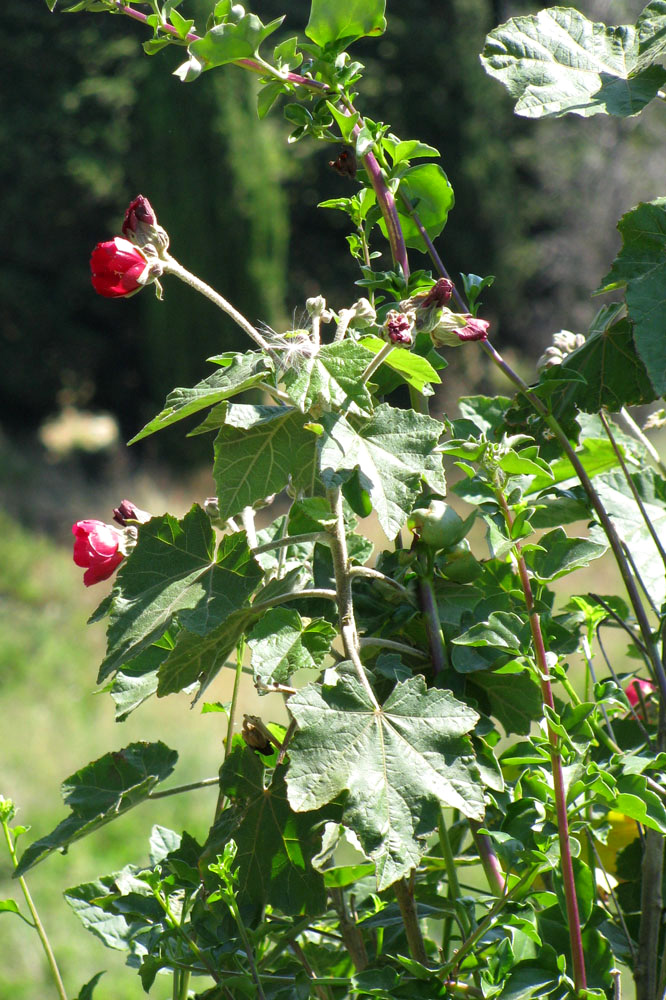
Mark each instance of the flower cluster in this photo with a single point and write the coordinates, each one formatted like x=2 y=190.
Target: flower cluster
x=100 y=548
x=122 y=266
x=432 y=316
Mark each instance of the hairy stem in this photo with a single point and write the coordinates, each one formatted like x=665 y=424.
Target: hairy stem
x=38 y=925
x=573 y=917
x=351 y=932
x=404 y=895
x=343 y=588
x=171 y=266
x=192 y=786
x=428 y=605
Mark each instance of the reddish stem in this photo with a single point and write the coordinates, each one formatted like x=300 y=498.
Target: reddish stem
x=573 y=916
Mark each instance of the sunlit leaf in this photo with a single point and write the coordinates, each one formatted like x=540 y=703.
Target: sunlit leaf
x=398 y=764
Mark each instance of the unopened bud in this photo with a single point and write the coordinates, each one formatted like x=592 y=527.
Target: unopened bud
x=453 y=329
x=256 y=735
x=141 y=226
x=398 y=328
x=364 y=314
x=127 y=513
x=564 y=343
x=316 y=306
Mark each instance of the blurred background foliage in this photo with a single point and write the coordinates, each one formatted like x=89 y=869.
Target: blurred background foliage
x=95 y=122
x=88 y=121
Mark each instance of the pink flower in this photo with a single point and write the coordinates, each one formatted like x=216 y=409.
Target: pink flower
x=474 y=329
x=398 y=328
x=118 y=268
x=439 y=294
x=97 y=547
x=637 y=689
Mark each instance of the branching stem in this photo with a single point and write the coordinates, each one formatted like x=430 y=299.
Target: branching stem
x=573 y=916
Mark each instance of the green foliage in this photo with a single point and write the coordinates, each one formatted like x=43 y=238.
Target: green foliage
x=558 y=62
x=341 y=833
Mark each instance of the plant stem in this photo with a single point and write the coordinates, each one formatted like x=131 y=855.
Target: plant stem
x=405 y=898
x=374 y=574
x=453 y=885
x=39 y=927
x=376 y=362
x=600 y=510
x=489 y=860
x=573 y=917
x=641 y=436
x=399 y=647
x=343 y=591
x=204 y=783
x=247 y=520
x=428 y=605
x=171 y=266
x=295 y=595
x=276 y=543
x=351 y=933
x=632 y=486
x=177 y=926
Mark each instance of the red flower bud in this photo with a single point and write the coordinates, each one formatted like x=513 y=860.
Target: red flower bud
x=398 y=328
x=439 y=294
x=118 y=269
x=141 y=225
x=126 y=512
x=139 y=212
x=97 y=547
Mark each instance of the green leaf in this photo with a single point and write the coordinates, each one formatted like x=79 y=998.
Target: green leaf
x=175 y=571
x=596 y=456
x=623 y=509
x=405 y=760
x=394 y=453
x=637 y=801
x=557 y=62
x=196 y=659
x=346 y=123
x=310 y=514
x=136 y=681
x=90 y=902
x=336 y=20
x=87 y=990
x=558 y=555
x=331 y=379
x=414 y=369
x=615 y=376
x=641 y=266
x=9 y=906
x=281 y=644
x=275 y=844
x=240 y=372
x=230 y=41
x=101 y=791
x=257 y=451
x=411 y=149
x=515 y=699
x=428 y=189
x=503 y=630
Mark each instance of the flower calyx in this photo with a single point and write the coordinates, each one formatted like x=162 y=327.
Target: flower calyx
x=141 y=227
x=398 y=328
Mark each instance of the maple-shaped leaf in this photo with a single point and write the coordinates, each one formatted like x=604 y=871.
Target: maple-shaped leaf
x=101 y=791
x=175 y=570
x=239 y=372
x=394 y=452
x=257 y=450
x=275 y=844
x=398 y=764
x=331 y=377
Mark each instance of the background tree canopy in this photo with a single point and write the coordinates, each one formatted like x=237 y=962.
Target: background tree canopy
x=237 y=201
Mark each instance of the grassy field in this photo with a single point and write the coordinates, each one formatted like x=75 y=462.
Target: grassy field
x=52 y=723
